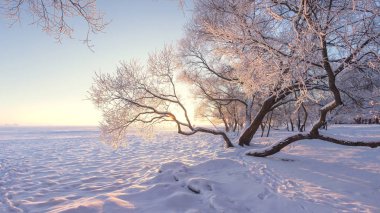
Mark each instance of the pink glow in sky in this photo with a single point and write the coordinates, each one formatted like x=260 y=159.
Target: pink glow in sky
x=43 y=82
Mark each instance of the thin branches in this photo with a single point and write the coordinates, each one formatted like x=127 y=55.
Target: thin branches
x=55 y=16
x=137 y=96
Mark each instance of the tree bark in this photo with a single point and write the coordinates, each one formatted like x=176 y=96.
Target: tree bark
x=227 y=141
x=268 y=105
x=249 y=132
x=279 y=146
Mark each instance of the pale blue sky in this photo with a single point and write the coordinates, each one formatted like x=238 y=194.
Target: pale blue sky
x=46 y=83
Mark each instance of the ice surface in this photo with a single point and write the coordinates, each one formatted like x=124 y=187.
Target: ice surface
x=68 y=170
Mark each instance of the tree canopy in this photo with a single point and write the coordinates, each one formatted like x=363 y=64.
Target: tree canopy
x=247 y=59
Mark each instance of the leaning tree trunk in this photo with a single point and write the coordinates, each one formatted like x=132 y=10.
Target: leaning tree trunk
x=268 y=105
x=314 y=133
x=227 y=141
x=280 y=145
x=249 y=132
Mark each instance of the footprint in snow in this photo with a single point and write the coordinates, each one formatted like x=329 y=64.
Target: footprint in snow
x=264 y=195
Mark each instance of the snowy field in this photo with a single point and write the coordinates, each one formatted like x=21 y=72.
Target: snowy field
x=69 y=170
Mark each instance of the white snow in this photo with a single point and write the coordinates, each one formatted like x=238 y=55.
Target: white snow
x=68 y=170
x=355 y=132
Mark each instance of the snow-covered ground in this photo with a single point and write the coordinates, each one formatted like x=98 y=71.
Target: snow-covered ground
x=68 y=170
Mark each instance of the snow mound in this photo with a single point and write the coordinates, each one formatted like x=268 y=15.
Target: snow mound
x=207 y=187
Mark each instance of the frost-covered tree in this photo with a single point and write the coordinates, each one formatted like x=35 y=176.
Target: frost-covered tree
x=141 y=96
x=213 y=82
x=313 y=54
x=279 y=48
x=255 y=45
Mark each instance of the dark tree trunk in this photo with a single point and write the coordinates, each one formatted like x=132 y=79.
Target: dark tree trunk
x=305 y=118
x=269 y=123
x=227 y=141
x=262 y=129
x=331 y=78
x=279 y=146
x=235 y=125
x=299 y=121
x=303 y=127
x=248 y=134
x=291 y=124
